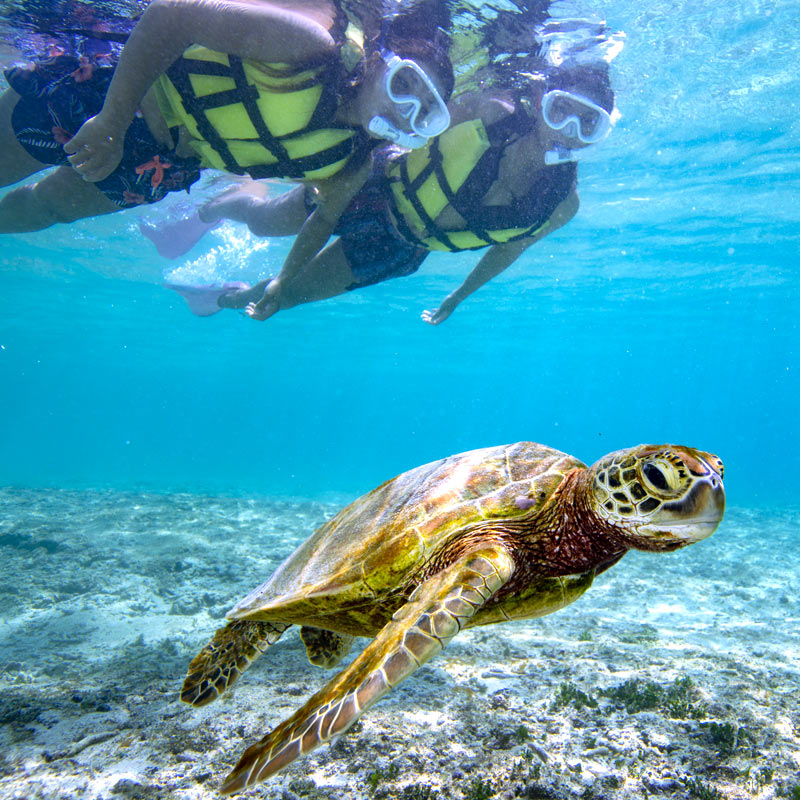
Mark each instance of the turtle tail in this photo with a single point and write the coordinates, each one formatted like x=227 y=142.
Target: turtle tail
x=229 y=653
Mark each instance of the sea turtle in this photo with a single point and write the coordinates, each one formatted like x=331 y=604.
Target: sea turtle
x=490 y=535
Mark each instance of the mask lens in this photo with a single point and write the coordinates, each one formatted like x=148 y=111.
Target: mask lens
x=580 y=118
x=588 y=119
x=416 y=98
x=406 y=83
x=559 y=109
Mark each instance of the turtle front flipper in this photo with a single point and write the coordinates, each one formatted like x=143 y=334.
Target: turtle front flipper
x=325 y=648
x=435 y=612
x=229 y=653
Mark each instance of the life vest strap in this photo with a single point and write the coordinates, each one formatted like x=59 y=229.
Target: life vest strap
x=306 y=164
x=501 y=133
x=410 y=192
x=434 y=166
x=200 y=66
x=456 y=199
x=467 y=200
x=330 y=78
x=248 y=100
x=247 y=95
x=178 y=73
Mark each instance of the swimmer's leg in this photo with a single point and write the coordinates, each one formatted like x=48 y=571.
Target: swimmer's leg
x=62 y=196
x=240 y=299
x=283 y=215
x=327 y=275
x=15 y=161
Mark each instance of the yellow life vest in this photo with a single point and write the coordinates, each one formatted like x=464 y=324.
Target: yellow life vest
x=267 y=120
x=456 y=170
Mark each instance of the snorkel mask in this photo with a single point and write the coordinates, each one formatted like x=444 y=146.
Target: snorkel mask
x=578 y=118
x=417 y=100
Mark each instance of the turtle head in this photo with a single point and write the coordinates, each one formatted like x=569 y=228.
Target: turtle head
x=659 y=497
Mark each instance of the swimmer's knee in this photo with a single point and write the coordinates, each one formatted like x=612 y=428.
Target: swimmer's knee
x=44 y=211
x=51 y=208
x=20 y=212
x=27 y=208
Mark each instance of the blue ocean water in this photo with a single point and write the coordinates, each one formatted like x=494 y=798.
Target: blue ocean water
x=667 y=311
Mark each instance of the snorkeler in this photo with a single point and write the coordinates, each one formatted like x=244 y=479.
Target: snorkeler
x=264 y=89
x=503 y=176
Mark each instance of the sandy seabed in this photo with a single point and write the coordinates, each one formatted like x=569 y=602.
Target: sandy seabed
x=676 y=676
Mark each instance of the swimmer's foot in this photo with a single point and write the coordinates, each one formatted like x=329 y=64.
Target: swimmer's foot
x=203 y=301
x=236 y=203
x=241 y=298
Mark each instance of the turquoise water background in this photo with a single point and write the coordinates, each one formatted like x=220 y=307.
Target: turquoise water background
x=667 y=311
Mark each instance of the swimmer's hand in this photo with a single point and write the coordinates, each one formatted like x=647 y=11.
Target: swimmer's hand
x=96 y=149
x=435 y=316
x=268 y=305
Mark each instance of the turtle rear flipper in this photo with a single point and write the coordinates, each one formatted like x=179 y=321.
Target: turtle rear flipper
x=230 y=652
x=325 y=648
x=434 y=613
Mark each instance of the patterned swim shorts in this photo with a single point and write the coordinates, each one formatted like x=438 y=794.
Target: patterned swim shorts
x=57 y=95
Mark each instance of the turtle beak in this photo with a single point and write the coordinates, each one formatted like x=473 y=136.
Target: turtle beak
x=707 y=497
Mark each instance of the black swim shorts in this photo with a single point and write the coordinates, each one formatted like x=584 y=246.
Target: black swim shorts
x=374 y=249
x=57 y=95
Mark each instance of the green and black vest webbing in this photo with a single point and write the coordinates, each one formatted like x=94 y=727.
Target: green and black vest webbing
x=457 y=169
x=266 y=120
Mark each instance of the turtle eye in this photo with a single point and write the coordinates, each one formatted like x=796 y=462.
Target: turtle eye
x=661 y=475
x=655 y=476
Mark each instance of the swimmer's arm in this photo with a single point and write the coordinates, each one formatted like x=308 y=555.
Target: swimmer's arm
x=480 y=105
x=168 y=27
x=498 y=258
x=251 y=30
x=333 y=198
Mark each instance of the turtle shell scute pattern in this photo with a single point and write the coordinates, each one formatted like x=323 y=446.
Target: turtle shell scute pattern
x=371 y=547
